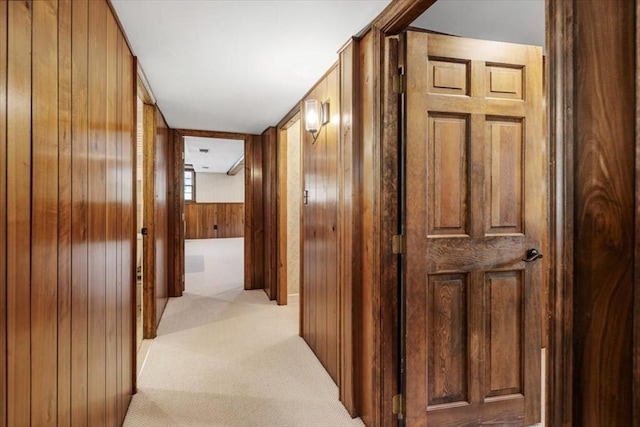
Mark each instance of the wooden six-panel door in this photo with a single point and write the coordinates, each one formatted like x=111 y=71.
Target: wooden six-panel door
x=475 y=207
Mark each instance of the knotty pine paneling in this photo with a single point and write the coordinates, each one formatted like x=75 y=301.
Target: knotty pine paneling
x=605 y=197
x=66 y=148
x=214 y=220
x=320 y=237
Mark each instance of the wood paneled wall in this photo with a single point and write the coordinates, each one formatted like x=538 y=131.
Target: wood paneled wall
x=269 y=170
x=319 y=286
x=254 y=218
x=214 y=220
x=157 y=152
x=605 y=210
x=349 y=225
x=67 y=227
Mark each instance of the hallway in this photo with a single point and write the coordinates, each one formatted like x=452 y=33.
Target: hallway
x=228 y=357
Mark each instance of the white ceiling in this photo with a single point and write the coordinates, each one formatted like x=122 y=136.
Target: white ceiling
x=223 y=153
x=237 y=66
x=241 y=65
x=514 y=21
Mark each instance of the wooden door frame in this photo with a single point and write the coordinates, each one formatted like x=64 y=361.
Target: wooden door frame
x=144 y=93
x=178 y=204
x=560 y=89
x=282 y=200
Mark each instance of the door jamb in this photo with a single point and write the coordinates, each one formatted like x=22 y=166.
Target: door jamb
x=282 y=200
x=178 y=203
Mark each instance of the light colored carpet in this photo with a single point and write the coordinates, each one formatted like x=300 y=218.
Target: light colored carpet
x=229 y=357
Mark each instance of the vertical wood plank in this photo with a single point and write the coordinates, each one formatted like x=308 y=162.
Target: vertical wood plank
x=366 y=277
x=389 y=226
x=3 y=213
x=44 y=216
x=149 y=242
x=121 y=237
x=80 y=210
x=331 y=219
x=128 y=225
x=97 y=212
x=257 y=221
x=111 y=220
x=248 y=212
x=64 y=213
x=177 y=208
x=19 y=213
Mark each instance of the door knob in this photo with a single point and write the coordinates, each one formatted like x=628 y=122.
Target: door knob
x=532 y=255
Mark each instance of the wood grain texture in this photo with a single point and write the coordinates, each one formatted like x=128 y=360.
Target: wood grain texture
x=560 y=97
x=176 y=219
x=348 y=225
x=492 y=224
x=3 y=212
x=248 y=213
x=605 y=211
x=214 y=220
x=156 y=175
x=389 y=292
x=44 y=211
x=257 y=257
x=367 y=277
x=399 y=14
x=61 y=95
x=320 y=237
x=79 y=215
x=129 y=226
x=64 y=214
x=269 y=174
x=112 y=221
x=19 y=213
x=97 y=212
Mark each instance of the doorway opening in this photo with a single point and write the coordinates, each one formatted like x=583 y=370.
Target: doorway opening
x=139 y=220
x=214 y=197
x=476 y=180
x=289 y=200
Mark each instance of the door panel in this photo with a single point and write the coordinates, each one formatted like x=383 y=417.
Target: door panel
x=475 y=183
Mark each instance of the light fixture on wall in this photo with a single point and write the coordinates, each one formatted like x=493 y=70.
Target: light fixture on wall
x=316 y=116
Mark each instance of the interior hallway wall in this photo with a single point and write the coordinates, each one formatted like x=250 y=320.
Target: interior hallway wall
x=294 y=192
x=67 y=218
x=320 y=317
x=219 y=187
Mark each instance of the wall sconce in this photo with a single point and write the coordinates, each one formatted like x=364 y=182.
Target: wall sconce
x=316 y=116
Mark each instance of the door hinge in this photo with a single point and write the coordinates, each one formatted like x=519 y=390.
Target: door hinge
x=398 y=83
x=183 y=155
x=398 y=405
x=398 y=244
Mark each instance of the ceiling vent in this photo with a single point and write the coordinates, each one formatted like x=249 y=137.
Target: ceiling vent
x=205 y=167
x=203 y=150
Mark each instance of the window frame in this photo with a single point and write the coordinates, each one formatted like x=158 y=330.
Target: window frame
x=191 y=171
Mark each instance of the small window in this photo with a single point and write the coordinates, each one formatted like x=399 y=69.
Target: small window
x=189 y=185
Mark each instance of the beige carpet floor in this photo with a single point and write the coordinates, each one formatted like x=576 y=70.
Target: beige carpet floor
x=229 y=357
